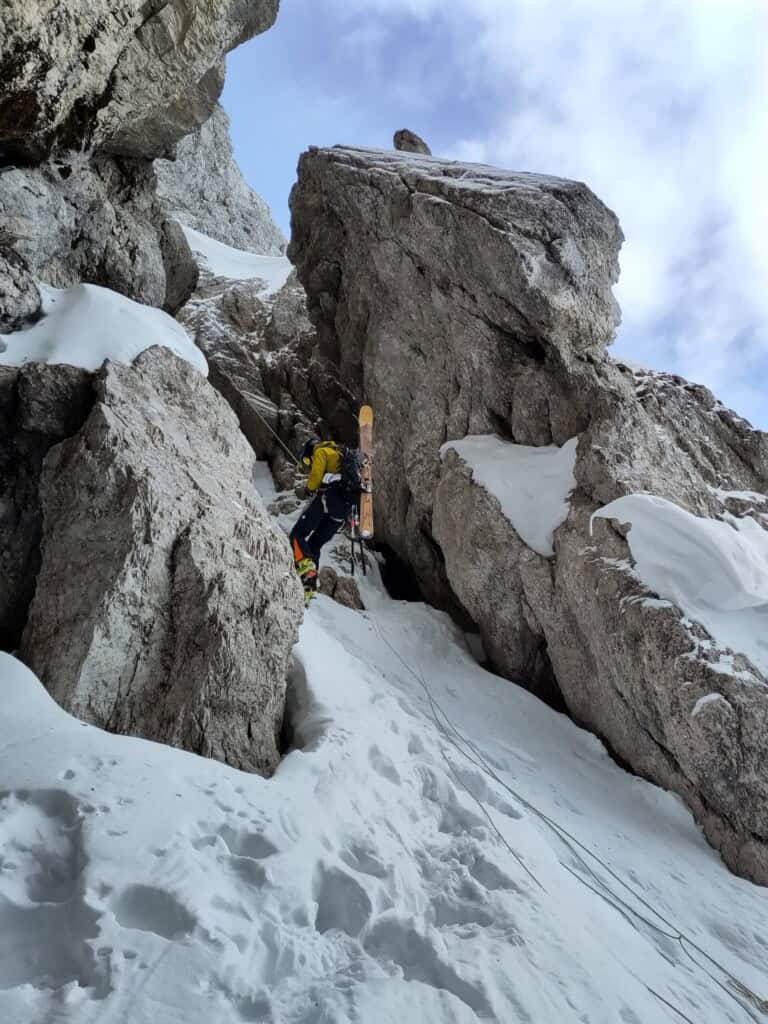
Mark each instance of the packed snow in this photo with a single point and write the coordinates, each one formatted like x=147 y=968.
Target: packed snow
x=438 y=847
x=263 y=482
x=715 y=570
x=747 y=496
x=531 y=484
x=225 y=261
x=86 y=324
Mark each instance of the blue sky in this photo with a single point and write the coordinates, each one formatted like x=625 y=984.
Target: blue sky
x=658 y=106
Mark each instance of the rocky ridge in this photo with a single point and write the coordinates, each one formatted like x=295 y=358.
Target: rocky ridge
x=461 y=300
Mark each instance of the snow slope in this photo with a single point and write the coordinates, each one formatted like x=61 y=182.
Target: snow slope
x=532 y=484
x=402 y=866
x=86 y=324
x=225 y=261
x=715 y=571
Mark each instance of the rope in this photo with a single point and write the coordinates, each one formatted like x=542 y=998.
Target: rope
x=275 y=435
x=574 y=845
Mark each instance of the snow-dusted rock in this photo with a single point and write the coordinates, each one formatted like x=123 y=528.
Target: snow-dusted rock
x=205 y=189
x=166 y=605
x=343 y=589
x=259 y=343
x=122 y=74
x=461 y=300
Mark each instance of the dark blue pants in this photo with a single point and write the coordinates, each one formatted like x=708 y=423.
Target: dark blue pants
x=321 y=520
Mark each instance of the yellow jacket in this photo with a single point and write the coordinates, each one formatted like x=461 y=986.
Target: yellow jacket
x=326 y=458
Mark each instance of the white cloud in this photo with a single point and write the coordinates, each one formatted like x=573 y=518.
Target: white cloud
x=661 y=109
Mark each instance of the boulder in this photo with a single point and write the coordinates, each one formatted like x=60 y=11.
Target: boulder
x=166 y=604
x=124 y=75
x=340 y=588
x=409 y=142
x=439 y=292
x=204 y=188
x=181 y=270
x=462 y=300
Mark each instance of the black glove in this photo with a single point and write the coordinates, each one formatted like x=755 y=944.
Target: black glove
x=302 y=492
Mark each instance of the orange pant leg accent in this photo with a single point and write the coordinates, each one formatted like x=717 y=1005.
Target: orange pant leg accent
x=298 y=554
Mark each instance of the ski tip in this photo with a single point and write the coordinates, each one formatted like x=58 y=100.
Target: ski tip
x=366 y=414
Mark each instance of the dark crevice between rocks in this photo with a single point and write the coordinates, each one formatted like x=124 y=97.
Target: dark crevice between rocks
x=501 y=426
x=536 y=674
x=40 y=407
x=400 y=582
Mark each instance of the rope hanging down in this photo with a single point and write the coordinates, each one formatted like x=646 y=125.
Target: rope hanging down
x=276 y=436
x=734 y=987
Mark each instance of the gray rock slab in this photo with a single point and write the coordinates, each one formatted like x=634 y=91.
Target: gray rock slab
x=166 y=604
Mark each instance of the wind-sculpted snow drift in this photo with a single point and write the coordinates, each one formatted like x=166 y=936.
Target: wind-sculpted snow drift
x=462 y=300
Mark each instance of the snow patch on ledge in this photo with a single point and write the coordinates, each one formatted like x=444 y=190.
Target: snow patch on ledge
x=532 y=484
x=715 y=571
x=710 y=698
x=235 y=264
x=86 y=324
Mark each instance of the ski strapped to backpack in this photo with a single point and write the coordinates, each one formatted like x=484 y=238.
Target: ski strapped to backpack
x=365 y=421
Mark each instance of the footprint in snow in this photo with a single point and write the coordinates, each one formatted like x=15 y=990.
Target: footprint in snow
x=383 y=765
x=149 y=909
x=45 y=922
x=342 y=902
x=241 y=851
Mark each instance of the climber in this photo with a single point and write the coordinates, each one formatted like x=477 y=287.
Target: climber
x=334 y=480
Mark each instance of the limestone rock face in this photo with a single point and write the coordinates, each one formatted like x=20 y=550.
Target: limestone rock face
x=20 y=300
x=261 y=357
x=40 y=406
x=166 y=605
x=96 y=221
x=440 y=292
x=127 y=75
x=409 y=142
x=463 y=300
x=205 y=189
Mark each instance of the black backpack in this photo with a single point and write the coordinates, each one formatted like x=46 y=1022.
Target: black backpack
x=352 y=461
